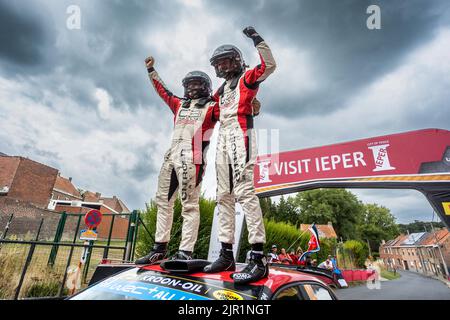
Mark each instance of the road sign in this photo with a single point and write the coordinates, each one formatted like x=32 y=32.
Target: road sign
x=88 y=235
x=93 y=219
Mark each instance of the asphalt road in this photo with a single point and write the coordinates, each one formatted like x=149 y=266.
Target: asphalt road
x=410 y=286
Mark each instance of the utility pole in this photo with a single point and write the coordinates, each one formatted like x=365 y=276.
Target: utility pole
x=370 y=251
x=421 y=259
x=440 y=252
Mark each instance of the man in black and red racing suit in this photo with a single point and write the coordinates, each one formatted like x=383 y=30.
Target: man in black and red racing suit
x=236 y=155
x=184 y=162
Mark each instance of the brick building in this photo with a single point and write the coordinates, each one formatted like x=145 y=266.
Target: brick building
x=32 y=191
x=65 y=190
x=423 y=252
x=27 y=180
x=107 y=206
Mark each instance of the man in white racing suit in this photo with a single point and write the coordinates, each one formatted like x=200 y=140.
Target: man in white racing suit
x=184 y=162
x=236 y=155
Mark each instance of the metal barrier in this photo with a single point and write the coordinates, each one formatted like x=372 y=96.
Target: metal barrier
x=134 y=221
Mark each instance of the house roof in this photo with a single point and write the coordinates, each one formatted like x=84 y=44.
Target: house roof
x=325 y=230
x=439 y=235
x=115 y=204
x=397 y=241
x=8 y=168
x=90 y=196
x=66 y=186
x=389 y=243
x=413 y=239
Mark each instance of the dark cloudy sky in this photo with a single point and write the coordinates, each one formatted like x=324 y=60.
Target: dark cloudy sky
x=80 y=100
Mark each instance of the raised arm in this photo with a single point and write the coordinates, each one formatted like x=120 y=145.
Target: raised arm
x=258 y=74
x=172 y=101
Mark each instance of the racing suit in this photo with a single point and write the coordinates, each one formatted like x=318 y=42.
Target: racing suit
x=184 y=163
x=236 y=149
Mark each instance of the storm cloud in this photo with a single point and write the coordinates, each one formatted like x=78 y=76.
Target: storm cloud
x=80 y=100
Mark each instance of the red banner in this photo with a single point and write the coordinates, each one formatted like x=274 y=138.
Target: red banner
x=418 y=153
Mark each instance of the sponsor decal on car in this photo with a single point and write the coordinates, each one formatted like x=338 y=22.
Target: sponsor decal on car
x=146 y=291
x=226 y=295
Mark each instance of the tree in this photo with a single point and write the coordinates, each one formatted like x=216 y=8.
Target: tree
x=356 y=251
x=419 y=226
x=338 y=206
x=268 y=208
x=287 y=211
x=377 y=224
x=146 y=239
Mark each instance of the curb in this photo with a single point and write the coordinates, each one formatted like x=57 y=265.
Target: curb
x=446 y=282
x=443 y=281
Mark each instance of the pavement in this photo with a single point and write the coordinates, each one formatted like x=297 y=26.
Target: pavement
x=410 y=286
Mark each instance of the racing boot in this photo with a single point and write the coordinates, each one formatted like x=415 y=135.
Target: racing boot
x=158 y=253
x=256 y=269
x=182 y=255
x=225 y=262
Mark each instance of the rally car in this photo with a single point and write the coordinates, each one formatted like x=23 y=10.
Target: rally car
x=128 y=282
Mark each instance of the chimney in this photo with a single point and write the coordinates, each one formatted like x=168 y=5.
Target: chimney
x=330 y=224
x=98 y=194
x=70 y=179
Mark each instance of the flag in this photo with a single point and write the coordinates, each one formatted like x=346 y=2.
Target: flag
x=314 y=242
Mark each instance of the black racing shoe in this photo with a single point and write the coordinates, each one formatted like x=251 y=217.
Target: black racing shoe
x=256 y=269
x=158 y=253
x=182 y=255
x=225 y=262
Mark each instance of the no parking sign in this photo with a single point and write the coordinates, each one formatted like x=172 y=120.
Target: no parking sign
x=92 y=219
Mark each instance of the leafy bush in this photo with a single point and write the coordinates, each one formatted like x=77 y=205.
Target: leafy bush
x=146 y=239
x=358 y=251
x=44 y=289
x=280 y=233
x=284 y=235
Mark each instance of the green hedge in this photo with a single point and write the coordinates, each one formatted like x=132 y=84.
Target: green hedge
x=145 y=240
x=359 y=251
x=284 y=235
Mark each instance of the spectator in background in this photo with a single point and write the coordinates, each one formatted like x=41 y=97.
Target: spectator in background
x=284 y=257
x=293 y=257
x=327 y=264
x=273 y=256
x=299 y=253
x=334 y=262
x=309 y=261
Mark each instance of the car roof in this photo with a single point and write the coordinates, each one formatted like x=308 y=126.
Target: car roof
x=153 y=282
x=278 y=276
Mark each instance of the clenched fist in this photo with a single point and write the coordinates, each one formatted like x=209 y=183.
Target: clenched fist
x=250 y=32
x=150 y=62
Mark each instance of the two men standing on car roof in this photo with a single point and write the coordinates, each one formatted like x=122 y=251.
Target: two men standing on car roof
x=235 y=158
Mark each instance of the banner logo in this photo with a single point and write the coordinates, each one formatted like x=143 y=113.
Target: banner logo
x=446 y=206
x=264 y=173
x=381 y=158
